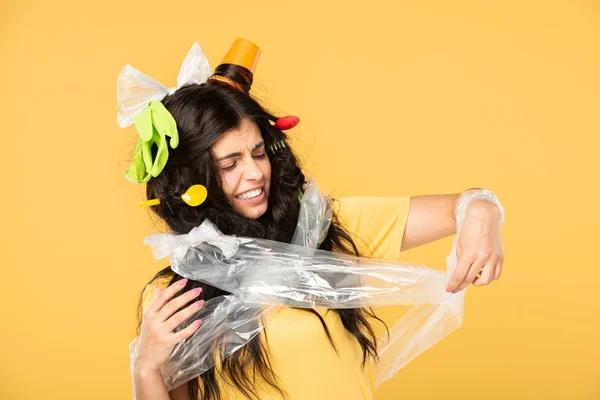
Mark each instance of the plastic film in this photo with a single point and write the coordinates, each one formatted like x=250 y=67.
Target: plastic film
x=261 y=274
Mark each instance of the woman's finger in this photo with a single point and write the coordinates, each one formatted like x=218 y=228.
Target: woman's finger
x=177 y=303
x=186 y=332
x=471 y=275
x=487 y=275
x=498 y=271
x=160 y=300
x=181 y=316
x=462 y=268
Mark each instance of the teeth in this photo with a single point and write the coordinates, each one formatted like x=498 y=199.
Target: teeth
x=249 y=195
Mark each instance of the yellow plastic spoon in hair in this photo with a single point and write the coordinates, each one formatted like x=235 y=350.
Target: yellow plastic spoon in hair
x=194 y=196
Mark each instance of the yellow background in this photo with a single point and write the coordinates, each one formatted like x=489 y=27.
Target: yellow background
x=395 y=98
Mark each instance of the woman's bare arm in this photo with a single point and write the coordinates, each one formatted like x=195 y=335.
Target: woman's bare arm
x=149 y=385
x=432 y=217
x=180 y=393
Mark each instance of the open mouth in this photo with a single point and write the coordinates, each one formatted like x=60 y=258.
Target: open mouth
x=252 y=194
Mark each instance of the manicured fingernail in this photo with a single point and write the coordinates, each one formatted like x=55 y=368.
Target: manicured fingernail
x=196 y=291
x=182 y=282
x=199 y=303
x=197 y=322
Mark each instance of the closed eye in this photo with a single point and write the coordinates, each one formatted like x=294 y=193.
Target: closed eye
x=229 y=168
x=232 y=166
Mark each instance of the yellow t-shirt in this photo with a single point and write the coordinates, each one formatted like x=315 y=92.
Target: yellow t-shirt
x=307 y=366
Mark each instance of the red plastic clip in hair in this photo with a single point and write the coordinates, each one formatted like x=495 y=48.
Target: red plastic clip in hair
x=287 y=122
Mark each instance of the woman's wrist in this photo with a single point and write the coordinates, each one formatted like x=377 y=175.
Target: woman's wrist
x=148 y=384
x=143 y=370
x=484 y=206
x=475 y=200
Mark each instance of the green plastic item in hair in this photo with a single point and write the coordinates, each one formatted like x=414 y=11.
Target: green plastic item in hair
x=154 y=124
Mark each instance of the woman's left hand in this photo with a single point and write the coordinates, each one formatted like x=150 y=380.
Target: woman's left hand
x=479 y=248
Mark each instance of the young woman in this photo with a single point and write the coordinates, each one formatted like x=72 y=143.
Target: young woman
x=227 y=142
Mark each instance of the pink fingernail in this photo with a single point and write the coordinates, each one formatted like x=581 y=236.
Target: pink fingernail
x=182 y=282
x=197 y=322
x=199 y=303
x=196 y=291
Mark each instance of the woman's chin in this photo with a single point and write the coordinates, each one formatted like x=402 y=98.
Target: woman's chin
x=256 y=212
x=253 y=211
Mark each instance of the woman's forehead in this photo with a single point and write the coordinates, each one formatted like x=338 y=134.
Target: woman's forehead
x=245 y=137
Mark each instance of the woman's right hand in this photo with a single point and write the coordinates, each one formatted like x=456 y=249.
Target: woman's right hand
x=157 y=340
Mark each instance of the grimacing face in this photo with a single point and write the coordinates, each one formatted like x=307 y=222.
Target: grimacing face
x=245 y=168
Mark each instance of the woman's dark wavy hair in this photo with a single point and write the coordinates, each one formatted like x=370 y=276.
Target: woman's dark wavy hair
x=204 y=112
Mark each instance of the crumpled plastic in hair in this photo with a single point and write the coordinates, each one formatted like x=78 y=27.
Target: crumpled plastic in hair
x=136 y=89
x=261 y=274
x=139 y=100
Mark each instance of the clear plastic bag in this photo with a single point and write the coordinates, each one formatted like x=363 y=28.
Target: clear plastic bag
x=261 y=274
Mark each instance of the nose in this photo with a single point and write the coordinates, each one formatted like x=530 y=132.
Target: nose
x=252 y=171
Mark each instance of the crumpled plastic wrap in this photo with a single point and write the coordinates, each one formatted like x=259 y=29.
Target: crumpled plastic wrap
x=261 y=274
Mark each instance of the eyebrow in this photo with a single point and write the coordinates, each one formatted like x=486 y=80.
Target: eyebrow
x=232 y=155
